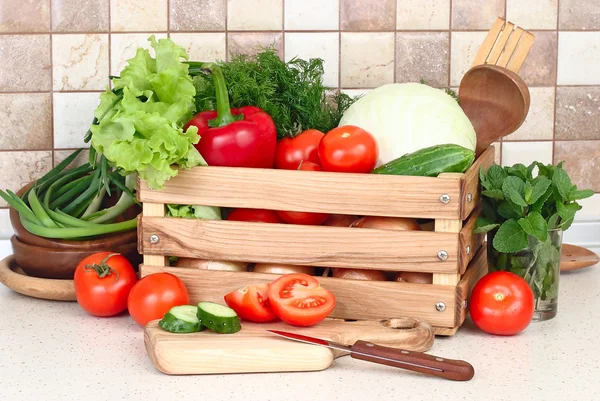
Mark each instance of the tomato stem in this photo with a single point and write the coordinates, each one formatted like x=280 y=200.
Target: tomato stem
x=102 y=269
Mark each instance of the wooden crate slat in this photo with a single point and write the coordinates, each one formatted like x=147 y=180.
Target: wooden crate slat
x=477 y=269
x=356 y=299
x=358 y=194
x=469 y=239
x=301 y=245
x=470 y=182
x=151 y=209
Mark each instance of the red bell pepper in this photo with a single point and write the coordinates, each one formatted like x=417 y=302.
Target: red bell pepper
x=244 y=137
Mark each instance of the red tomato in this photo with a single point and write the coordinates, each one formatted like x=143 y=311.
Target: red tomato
x=254 y=215
x=502 y=303
x=102 y=283
x=251 y=303
x=290 y=151
x=304 y=218
x=348 y=149
x=154 y=295
x=298 y=299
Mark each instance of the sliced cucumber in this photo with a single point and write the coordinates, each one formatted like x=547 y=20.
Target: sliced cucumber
x=218 y=318
x=181 y=319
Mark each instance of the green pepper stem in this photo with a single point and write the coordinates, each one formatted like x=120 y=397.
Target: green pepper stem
x=224 y=115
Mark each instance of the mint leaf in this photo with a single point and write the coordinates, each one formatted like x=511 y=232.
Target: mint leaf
x=552 y=291
x=567 y=214
x=528 y=191
x=552 y=221
x=540 y=187
x=535 y=225
x=514 y=188
x=518 y=170
x=495 y=177
x=483 y=225
x=493 y=193
x=580 y=194
x=562 y=183
x=510 y=237
x=530 y=169
x=507 y=210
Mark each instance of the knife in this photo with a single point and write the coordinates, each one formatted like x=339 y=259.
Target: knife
x=411 y=360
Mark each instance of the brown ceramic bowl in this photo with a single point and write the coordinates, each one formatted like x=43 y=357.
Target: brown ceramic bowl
x=105 y=241
x=56 y=258
x=57 y=263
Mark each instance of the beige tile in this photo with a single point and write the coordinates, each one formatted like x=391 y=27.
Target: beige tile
x=578 y=112
x=476 y=14
x=251 y=43
x=422 y=14
x=25 y=16
x=526 y=152
x=539 y=123
x=300 y=15
x=32 y=165
x=80 y=15
x=360 y=15
x=316 y=45
x=540 y=66
x=25 y=121
x=194 y=15
x=202 y=46
x=138 y=15
x=579 y=58
x=582 y=162
x=6 y=230
x=464 y=47
x=123 y=46
x=73 y=114
x=80 y=61
x=367 y=59
x=422 y=55
x=82 y=158
x=25 y=63
x=254 y=15
x=578 y=15
x=537 y=14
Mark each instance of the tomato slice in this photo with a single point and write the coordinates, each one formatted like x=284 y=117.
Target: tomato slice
x=251 y=303
x=298 y=299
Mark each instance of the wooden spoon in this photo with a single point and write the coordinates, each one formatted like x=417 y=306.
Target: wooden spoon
x=492 y=95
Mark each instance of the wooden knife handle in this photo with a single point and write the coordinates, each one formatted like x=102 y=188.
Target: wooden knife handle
x=441 y=367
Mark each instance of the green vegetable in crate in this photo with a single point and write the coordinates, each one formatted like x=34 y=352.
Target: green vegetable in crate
x=430 y=162
x=219 y=318
x=181 y=319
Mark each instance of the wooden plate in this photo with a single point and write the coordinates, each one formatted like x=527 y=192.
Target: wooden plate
x=14 y=278
x=575 y=257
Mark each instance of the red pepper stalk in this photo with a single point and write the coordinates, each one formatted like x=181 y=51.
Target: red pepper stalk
x=244 y=137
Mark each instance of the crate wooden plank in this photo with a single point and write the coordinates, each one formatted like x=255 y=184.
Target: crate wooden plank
x=477 y=269
x=356 y=299
x=469 y=242
x=447 y=226
x=158 y=210
x=301 y=245
x=310 y=191
x=470 y=183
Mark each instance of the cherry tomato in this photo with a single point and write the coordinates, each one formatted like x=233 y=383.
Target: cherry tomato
x=348 y=149
x=154 y=295
x=290 y=151
x=298 y=299
x=102 y=283
x=254 y=215
x=251 y=303
x=502 y=303
x=304 y=218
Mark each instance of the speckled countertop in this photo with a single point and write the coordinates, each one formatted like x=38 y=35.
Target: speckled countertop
x=52 y=351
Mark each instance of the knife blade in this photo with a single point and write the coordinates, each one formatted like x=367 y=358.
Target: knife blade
x=411 y=360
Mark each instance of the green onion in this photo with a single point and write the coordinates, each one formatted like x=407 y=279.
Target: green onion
x=78 y=232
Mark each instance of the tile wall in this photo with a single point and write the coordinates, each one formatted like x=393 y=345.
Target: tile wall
x=56 y=55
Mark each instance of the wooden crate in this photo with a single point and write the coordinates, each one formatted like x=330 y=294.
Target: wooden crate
x=451 y=252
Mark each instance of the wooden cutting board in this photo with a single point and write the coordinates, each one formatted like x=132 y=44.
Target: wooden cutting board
x=254 y=350
x=575 y=257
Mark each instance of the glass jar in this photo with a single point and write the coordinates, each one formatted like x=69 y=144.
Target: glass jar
x=538 y=264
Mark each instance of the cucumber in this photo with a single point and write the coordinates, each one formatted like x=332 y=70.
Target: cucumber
x=430 y=162
x=181 y=319
x=218 y=318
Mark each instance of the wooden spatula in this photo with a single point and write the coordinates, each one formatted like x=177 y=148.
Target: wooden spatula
x=492 y=95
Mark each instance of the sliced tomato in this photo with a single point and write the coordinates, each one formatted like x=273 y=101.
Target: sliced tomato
x=251 y=303
x=299 y=299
